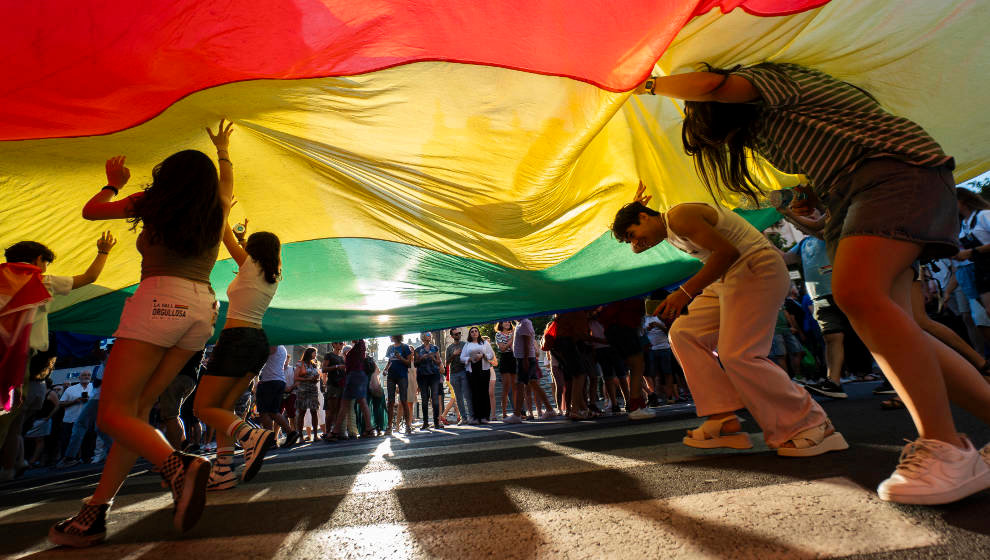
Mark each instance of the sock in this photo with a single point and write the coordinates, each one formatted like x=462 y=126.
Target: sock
x=225 y=456
x=239 y=430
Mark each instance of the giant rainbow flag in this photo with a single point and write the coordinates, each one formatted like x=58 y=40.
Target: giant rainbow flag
x=427 y=163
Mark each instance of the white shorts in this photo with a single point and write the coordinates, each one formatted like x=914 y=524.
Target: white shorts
x=169 y=311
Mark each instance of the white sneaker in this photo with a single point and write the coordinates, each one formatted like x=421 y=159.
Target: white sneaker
x=548 y=415
x=642 y=414
x=514 y=419
x=222 y=477
x=933 y=472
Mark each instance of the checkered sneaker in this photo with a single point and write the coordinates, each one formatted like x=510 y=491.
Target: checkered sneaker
x=86 y=528
x=187 y=477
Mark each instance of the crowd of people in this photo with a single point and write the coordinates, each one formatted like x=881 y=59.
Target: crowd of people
x=879 y=201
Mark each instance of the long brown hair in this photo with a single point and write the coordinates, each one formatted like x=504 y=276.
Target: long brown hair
x=719 y=136
x=309 y=356
x=971 y=200
x=182 y=209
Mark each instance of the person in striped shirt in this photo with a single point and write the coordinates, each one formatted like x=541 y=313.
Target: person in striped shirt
x=889 y=193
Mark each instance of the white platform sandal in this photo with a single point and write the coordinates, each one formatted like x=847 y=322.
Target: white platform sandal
x=813 y=441
x=709 y=436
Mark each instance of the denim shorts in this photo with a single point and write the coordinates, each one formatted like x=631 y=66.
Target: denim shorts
x=785 y=343
x=356 y=386
x=524 y=376
x=169 y=311
x=886 y=197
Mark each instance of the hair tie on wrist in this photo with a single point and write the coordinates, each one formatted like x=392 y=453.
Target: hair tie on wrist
x=115 y=190
x=225 y=159
x=103 y=252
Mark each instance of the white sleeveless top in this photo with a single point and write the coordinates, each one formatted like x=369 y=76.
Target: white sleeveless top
x=743 y=236
x=249 y=294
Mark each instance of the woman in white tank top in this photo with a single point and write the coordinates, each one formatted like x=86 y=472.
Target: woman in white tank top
x=723 y=338
x=240 y=353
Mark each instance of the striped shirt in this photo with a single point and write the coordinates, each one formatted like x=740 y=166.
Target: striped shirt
x=819 y=126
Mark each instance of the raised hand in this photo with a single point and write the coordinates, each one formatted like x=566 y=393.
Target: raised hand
x=105 y=242
x=117 y=174
x=222 y=138
x=641 y=195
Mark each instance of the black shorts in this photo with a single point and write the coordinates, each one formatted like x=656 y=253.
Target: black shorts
x=625 y=340
x=574 y=357
x=240 y=351
x=268 y=396
x=610 y=363
x=507 y=363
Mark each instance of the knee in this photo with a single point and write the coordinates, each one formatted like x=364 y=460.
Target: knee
x=734 y=358
x=853 y=300
x=678 y=333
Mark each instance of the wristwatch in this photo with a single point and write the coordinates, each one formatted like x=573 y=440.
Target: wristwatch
x=650 y=84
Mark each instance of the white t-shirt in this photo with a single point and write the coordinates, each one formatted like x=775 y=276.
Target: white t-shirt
x=71 y=394
x=250 y=293
x=56 y=286
x=273 y=369
x=658 y=338
x=524 y=328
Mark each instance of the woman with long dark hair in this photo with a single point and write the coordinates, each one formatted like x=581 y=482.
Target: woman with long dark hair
x=891 y=200
x=477 y=355
x=307 y=391
x=240 y=353
x=167 y=320
x=506 y=362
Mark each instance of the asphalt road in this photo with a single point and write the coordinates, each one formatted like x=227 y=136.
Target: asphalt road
x=606 y=488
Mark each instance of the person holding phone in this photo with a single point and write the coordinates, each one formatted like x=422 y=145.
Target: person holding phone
x=733 y=301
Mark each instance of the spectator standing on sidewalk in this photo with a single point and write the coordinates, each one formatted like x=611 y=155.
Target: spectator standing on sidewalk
x=477 y=355
x=429 y=378
x=269 y=393
x=458 y=377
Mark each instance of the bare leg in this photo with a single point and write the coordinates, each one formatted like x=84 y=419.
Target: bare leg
x=136 y=373
x=835 y=355
x=215 y=398
x=872 y=284
x=940 y=331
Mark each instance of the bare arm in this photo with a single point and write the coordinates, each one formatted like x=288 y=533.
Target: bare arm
x=703 y=86
x=696 y=222
x=102 y=206
x=222 y=142
x=104 y=244
x=233 y=247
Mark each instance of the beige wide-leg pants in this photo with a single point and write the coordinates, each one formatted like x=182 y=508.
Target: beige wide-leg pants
x=733 y=321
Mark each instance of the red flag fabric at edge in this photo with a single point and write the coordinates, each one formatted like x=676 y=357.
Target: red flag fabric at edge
x=21 y=293
x=85 y=68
